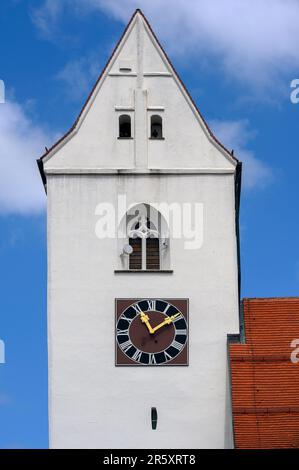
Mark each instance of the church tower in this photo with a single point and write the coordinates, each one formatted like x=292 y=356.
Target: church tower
x=142 y=263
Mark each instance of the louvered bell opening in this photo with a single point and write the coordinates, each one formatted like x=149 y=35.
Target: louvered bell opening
x=152 y=253
x=135 y=261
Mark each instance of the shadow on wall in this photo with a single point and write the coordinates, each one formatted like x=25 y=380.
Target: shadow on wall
x=228 y=422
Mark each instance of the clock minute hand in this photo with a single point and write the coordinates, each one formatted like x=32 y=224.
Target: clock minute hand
x=167 y=321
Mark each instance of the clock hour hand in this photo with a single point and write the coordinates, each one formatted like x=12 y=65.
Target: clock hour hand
x=145 y=319
x=167 y=321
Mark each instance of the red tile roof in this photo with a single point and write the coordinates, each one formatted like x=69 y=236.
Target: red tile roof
x=265 y=382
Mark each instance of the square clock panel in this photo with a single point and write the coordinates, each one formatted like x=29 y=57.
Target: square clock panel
x=151 y=332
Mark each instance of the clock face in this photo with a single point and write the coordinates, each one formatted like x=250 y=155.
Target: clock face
x=151 y=332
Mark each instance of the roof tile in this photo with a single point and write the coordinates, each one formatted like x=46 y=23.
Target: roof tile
x=265 y=382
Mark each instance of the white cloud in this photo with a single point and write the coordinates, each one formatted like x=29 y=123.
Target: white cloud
x=236 y=135
x=45 y=17
x=254 y=41
x=21 y=143
x=79 y=75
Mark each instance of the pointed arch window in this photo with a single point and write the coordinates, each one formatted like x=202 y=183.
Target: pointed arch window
x=125 y=126
x=156 y=127
x=143 y=240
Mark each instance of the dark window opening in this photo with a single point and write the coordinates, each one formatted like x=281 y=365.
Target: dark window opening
x=156 y=127
x=152 y=253
x=124 y=126
x=135 y=261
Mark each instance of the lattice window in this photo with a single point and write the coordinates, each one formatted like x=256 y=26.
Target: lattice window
x=145 y=241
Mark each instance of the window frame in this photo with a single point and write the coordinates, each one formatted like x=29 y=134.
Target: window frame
x=127 y=115
x=128 y=222
x=152 y=116
x=144 y=232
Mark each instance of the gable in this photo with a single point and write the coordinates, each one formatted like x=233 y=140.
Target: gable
x=138 y=81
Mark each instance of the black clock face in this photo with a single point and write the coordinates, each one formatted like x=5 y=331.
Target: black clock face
x=152 y=332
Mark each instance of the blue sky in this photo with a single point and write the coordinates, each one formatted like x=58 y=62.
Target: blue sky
x=236 y=58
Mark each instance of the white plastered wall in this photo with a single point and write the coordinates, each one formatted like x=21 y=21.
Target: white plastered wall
x=92 y=402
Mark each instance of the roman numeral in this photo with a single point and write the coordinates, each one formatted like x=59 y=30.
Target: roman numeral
x=177 y=345
x=167 y=307
x=137 y=308
x=129 y=320
x=151 y=305
x=122 y=332
x=181 y=332
x=125 y=346
x=180 y=317
x=167 y=355
x=152 y=359
x=137 y=355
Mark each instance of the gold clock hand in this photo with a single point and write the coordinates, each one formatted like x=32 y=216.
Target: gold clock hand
x=167 y=321
x=145 y=319
x=174 y=316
